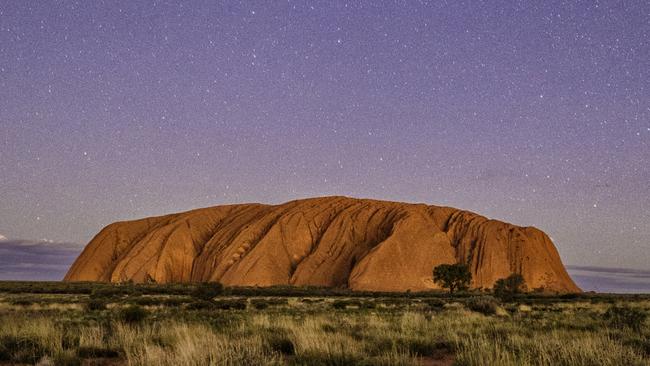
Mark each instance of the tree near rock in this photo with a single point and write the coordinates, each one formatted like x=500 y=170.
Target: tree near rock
x=452 y=276
x=509 y=286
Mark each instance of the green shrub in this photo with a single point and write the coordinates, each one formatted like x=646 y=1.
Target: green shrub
x=133 y=314
x=486 y=305
x=259 y=305
x=424 y=347
x=265 y=303
x=207 y=291
x=174 y=301
x=96 y=304
x=343 y=304
x=22 y=302
x=434 y=304
x=157 y=301
x=146 y=301
x=625 y=317
x=106 y=291
x=200 y=305
x=231 y=304
x=307 y=300
x=340 y=304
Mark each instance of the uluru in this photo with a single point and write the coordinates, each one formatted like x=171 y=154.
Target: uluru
x=360 y=244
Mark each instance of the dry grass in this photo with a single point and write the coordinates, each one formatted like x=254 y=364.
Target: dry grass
x=552 y=334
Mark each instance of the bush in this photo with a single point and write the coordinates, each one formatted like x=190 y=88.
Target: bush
x=486 y=305
x=261 y=304
x=434 y=304
x=133 y=314
x=173 y=301
x=424 y=347
x=642 y=344
x=343 y=304
x=310 y=301
x=157 y=301
x=625 y=317
x=207 y=291
x=107 y=291
x=147 y=301
x=17 y=350
x=24 y=301
x=280 y=343
x=200 y=305
x=234 y=304
x=95 y=304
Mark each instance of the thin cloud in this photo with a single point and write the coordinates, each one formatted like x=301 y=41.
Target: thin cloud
x=26 y=260
x=611 y=280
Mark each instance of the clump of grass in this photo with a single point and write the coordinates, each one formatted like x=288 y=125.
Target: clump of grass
x=189 y=344
x=65 y=358
x=281 y=343
x=132 y=314
x=21 y=349
x=96 y=304
x=555 y=349
x=399 y=331
x=625 y=317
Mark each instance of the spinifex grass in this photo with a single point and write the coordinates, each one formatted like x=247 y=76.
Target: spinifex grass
x=170 y=330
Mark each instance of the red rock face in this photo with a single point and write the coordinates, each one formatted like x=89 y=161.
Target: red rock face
x=332 y=241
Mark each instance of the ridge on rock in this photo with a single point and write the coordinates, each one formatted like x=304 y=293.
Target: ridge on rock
x=332 y=241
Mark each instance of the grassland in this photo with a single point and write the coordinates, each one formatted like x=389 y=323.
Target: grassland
x=96 y=324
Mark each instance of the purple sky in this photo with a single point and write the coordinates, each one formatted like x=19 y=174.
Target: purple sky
x=529 y=113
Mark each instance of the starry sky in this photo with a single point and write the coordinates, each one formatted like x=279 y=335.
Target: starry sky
x=536 y=114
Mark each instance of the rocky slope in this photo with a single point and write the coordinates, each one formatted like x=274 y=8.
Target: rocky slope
x=332 y=241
